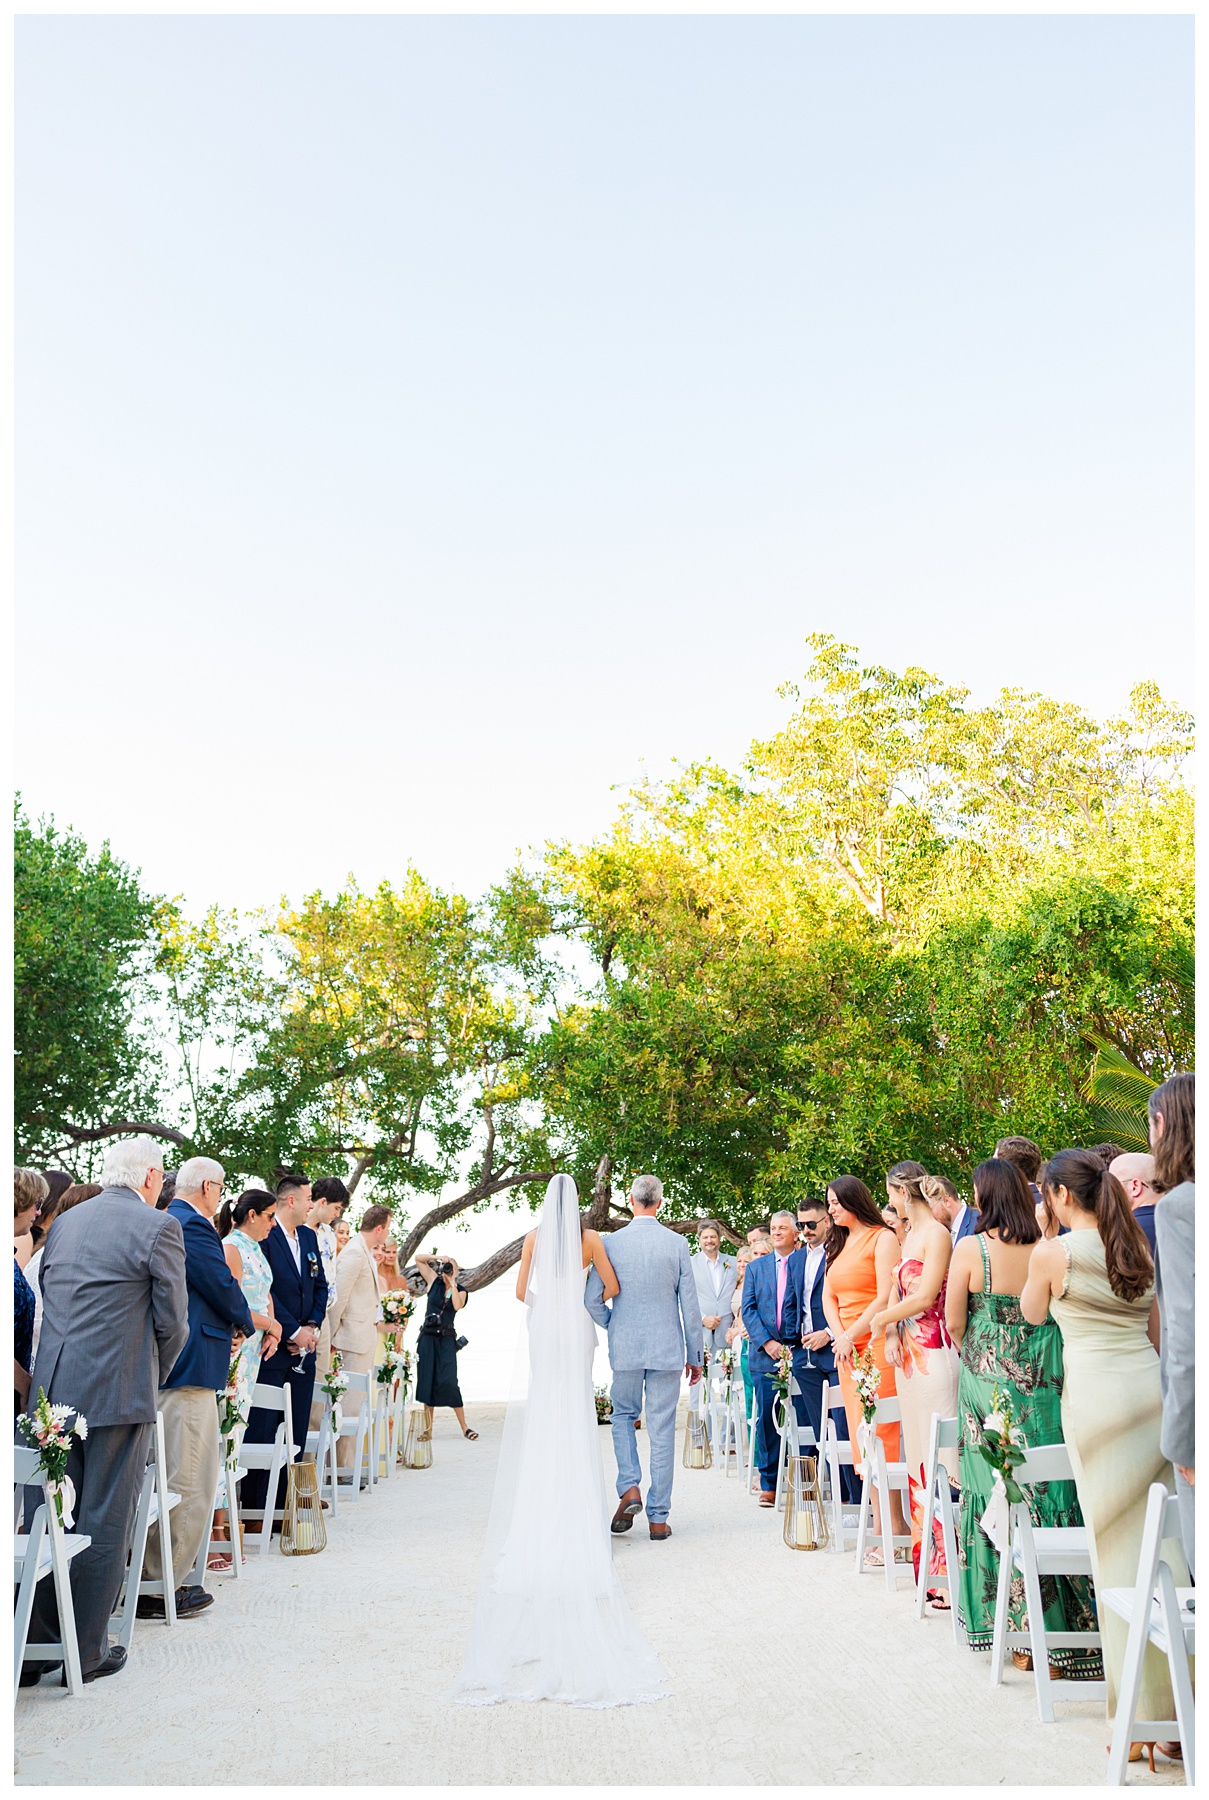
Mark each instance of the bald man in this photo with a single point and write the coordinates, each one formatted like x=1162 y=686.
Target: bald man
x=1135 y=1172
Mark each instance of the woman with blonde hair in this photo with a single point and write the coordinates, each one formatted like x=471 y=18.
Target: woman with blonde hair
x=920 y=1348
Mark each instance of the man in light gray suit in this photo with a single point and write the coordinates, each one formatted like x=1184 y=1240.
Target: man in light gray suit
x=115 y=1316
x=1175 y=1271
x=654 y=1328
x=715 y=1278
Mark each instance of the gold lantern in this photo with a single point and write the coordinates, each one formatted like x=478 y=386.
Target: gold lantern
x=417 y=1449
x=697 y=1453
x=805 y=1514
x=303 y=1531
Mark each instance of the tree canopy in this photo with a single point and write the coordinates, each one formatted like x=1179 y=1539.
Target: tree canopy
x=903 y=928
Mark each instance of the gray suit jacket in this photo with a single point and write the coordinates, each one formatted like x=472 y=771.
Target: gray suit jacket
x=1175 y=1277
x=115 y=1309
x=710 y=1307
x=658 y=1293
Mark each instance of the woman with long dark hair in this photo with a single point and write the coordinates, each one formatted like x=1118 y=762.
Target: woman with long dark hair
x=1001 y=1351
x=861 y=1254
x=1097 y=1281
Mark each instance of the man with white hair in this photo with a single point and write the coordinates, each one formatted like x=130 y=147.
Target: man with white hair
x=186 y=1397
x=114 y=1316
x=1135 y=1172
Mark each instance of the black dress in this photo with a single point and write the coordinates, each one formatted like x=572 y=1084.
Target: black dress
x=437 y=1377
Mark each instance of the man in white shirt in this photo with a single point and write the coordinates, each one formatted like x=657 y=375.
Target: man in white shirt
x=329 y=1197
x=714 y=1275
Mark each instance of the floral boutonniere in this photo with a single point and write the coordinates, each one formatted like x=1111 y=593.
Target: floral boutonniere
x=312 y=1263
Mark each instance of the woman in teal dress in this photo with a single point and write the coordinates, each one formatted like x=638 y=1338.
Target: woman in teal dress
x=1000 y=1349
x=243 y=1227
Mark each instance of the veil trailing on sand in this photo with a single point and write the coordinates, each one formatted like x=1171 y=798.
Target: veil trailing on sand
x=551 y=1621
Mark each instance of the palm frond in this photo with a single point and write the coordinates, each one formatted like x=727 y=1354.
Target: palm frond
x=1122 y=1125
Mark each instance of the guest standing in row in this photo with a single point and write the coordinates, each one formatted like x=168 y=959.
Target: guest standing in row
x=29 y=1191
x=1000 y=1349
x=1135 y=1171
x=115 y=1315
x=813 y=1356
x=918 y=1343
x=1098 y=1283
x=736 y=1337
x=1173 y=1135
x=358 y=1306
x=861 y=1254
x=243 y=1226
x=217 y=1308
x=715 y=1275
x=291 y=1250
x=770 y=1315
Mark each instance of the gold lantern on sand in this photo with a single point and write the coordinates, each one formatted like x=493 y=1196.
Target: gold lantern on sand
x=805 y=1514
x=697 y=1453
x=303 y=1531
x=417 y=1446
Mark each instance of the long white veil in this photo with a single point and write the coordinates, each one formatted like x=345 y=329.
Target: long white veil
x=551 y=1621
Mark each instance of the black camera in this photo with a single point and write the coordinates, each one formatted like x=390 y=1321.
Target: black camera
x=460 y=1343
x=444 y=1268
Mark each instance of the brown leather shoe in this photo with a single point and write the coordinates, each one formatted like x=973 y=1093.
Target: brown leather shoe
x=660 y=1531
x=768 y=1496
x=628 y=1507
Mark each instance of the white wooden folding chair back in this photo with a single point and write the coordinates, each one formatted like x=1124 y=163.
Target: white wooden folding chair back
x=357 y=1423
x=887 y=1476
x=1038 y=1550
x=398 y=1408
x=938 y=1504
x=796 y=1440
x=381 y=1454
x=752 y=1436
x=321 y=1444
x=1157 y=1613
x=226 y=1496
x=156 y=1501
x=837 y=1455
x=273 y=1456
x=734 y=1432
x=45 y=1549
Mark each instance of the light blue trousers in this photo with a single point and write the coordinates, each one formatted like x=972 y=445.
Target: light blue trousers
x=662 y=1388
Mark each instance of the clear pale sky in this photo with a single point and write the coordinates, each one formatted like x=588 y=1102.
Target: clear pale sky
x=426 y=424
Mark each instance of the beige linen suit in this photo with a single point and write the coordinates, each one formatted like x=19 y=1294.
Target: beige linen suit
x=353 y=1318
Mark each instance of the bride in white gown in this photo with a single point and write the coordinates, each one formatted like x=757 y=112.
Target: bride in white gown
x=551 y=1621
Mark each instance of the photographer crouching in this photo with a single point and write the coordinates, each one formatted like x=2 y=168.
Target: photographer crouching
x=437 y=1377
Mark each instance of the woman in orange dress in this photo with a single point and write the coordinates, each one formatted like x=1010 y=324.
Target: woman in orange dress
x=861 y=1257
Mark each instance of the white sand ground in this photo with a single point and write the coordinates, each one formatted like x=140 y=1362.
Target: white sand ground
x=787 y=1668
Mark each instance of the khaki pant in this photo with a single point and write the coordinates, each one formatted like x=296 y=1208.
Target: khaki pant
x=356 y=1362
x=192 y=1452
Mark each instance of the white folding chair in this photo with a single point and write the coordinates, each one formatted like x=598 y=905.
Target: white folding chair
x=887 y=1477
x=358 y=1425
x=938 y=1503
x=796 y=1440
x=45 y=1549
x=752 y=1433
x=156 y=1501
x=382 y=1445
x=1038 y=1550
x=321 y=1444
x=398 y=1407
x=733 y=1434
x=838 y=1454
x=1157 y=1613
x=273 y=1456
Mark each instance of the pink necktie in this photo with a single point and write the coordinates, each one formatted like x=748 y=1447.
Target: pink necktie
x=781 y=1264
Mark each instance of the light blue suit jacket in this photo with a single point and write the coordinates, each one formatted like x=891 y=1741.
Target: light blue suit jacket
x=655 y=1321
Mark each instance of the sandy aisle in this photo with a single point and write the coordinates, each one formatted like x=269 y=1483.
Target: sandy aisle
x=787 y=1668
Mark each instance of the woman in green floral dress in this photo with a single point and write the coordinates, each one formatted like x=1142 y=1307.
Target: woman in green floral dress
x=1000 y=1349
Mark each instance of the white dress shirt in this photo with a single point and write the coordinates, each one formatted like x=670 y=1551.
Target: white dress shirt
x=955 y=1227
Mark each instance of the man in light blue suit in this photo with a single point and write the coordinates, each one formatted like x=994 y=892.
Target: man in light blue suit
x=654 y=1328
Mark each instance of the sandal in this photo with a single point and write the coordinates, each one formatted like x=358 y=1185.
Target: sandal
x=874 y=1559
x=938 y=1600
x=218 y=1562
x=470 y=1434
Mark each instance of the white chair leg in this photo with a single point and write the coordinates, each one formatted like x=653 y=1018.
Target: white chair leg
x=1181 y=1675
x=999 y=1634
x=26 y=1594
x=165 y=1525
x=67 y=1617
x=1036 y=1629
x=1127 y=1698
x=889 y=1566
x=862 y=1529
x=921 y=1585
x=948 y=1534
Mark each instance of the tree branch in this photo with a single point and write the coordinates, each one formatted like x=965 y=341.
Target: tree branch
x=482 y=1190
x=495 y=1265
x=92 y=1134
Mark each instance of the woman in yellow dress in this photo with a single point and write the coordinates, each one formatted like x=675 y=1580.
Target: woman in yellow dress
x=861 y=1257
x=1097 y=1281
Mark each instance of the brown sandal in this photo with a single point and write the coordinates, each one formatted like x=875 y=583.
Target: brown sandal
x=470 y=1434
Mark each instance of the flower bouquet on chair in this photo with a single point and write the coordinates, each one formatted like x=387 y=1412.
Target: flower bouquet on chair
x=335 y=1386
x=48 y=1430
x=1001 y=1443
x=867 y=1379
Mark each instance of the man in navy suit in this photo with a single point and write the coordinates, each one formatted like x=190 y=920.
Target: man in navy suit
x=813 y=1357
x=771 y=1320
x=299 y=1303
x=187 y=1398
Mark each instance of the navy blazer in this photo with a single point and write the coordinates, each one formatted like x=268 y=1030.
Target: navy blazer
x=810 y=1306
x=298 y=1298
x=969 y=1224
x=216 y=1304
x=760 y=1307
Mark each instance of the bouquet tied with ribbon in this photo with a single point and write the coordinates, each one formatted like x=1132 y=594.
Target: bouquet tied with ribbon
x=50 y=1428
x=1002 y=1443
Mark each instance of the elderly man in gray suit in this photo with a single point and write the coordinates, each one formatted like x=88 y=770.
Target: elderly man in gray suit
x=714 y=1274
x=115 y=1316
x=654 y=1328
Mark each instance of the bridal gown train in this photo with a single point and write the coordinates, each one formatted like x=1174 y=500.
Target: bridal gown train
x=551 y=1621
